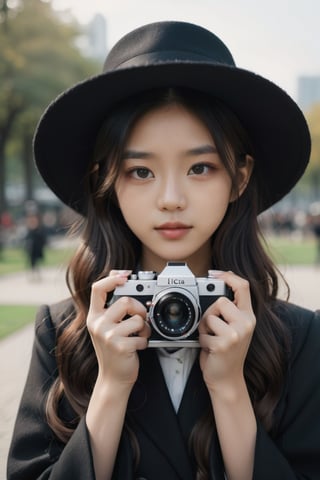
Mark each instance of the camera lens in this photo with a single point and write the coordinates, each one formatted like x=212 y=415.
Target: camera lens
x=174 y=314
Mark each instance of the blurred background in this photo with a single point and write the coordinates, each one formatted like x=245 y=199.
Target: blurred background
x=47 y=46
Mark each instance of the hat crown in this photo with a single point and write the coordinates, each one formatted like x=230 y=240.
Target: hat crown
x=167 y=42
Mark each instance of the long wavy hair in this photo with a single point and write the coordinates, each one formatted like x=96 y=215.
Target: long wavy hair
x=108 y=243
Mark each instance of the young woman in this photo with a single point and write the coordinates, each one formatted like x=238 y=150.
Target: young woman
x=169 y=156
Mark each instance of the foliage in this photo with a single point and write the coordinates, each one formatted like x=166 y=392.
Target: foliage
x=38 y=60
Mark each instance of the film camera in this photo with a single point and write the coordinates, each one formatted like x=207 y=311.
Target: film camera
x=175 y=300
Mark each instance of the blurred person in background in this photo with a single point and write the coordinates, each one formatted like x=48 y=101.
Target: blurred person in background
x=35 y=243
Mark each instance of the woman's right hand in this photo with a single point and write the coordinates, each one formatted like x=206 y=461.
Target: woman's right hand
x=116 y=341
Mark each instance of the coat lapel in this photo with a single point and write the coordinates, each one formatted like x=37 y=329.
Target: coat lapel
x=195 y=403
x=151 y=408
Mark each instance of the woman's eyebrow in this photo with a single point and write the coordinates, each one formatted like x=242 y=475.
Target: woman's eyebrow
x=132 y=154
x=202 y=149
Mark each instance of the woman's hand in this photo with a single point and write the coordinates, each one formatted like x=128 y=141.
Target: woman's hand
x=225 y=333
x=116 y=340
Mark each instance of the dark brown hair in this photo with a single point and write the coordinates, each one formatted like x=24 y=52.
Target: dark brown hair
x=108 y=243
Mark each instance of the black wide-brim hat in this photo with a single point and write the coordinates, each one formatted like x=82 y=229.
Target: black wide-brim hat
x=171 y=54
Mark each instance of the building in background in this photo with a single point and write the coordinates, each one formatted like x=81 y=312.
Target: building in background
x=308 y=91
x=97 y=37
x=93 y=41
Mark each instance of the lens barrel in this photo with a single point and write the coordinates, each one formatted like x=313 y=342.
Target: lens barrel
x=174 y=314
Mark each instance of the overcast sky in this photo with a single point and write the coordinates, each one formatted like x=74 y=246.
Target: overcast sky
x=279 y=39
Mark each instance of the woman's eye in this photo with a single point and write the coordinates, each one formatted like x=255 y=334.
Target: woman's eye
x=141 y=173
x=200 y=169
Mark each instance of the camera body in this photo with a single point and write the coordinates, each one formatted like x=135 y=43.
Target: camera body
x=175 y=300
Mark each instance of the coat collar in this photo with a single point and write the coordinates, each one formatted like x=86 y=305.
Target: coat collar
x=150 y=407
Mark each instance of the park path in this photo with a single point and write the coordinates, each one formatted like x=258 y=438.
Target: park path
x=15 y=350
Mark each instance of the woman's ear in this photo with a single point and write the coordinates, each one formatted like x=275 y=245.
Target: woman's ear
x=244 y=174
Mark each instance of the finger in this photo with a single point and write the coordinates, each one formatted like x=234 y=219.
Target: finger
x=120 y=273
x=131 y=344
x=215 y=330
x=138 y=343
x=126 y=306
x=213 y=325
x=228 y=318
x=145 y=331
x=135 y=325
x=212 y=344
x=240 y=288
x=100 y=289
x=223 y=308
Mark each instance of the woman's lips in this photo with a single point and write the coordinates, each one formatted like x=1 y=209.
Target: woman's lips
x=173 y=231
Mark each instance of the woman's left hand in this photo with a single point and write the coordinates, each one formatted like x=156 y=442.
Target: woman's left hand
x=225 y=333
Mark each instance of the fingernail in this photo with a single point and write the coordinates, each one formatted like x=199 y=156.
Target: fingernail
x=215 y=273
x=124 y=273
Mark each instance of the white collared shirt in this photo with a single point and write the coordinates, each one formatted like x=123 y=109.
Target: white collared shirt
x=176 y=367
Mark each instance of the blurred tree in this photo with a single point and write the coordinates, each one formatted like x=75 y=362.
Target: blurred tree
x=313 y=171
x=38 y=60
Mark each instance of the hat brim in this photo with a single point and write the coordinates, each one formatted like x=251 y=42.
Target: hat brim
x=65 y=136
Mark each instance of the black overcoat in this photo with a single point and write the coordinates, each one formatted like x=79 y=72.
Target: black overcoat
x=292 y=452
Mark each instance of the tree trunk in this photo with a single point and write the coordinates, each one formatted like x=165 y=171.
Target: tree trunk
x=27 y=160
x=3 y=200
x=5 y=131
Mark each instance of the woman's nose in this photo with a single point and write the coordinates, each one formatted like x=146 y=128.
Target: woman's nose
x=171 y=195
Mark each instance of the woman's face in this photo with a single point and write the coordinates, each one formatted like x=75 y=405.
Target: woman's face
x=173 y=189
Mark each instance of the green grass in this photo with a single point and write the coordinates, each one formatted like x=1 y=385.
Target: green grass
x=292 y=251
x=14 y=317
x=14 y=259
